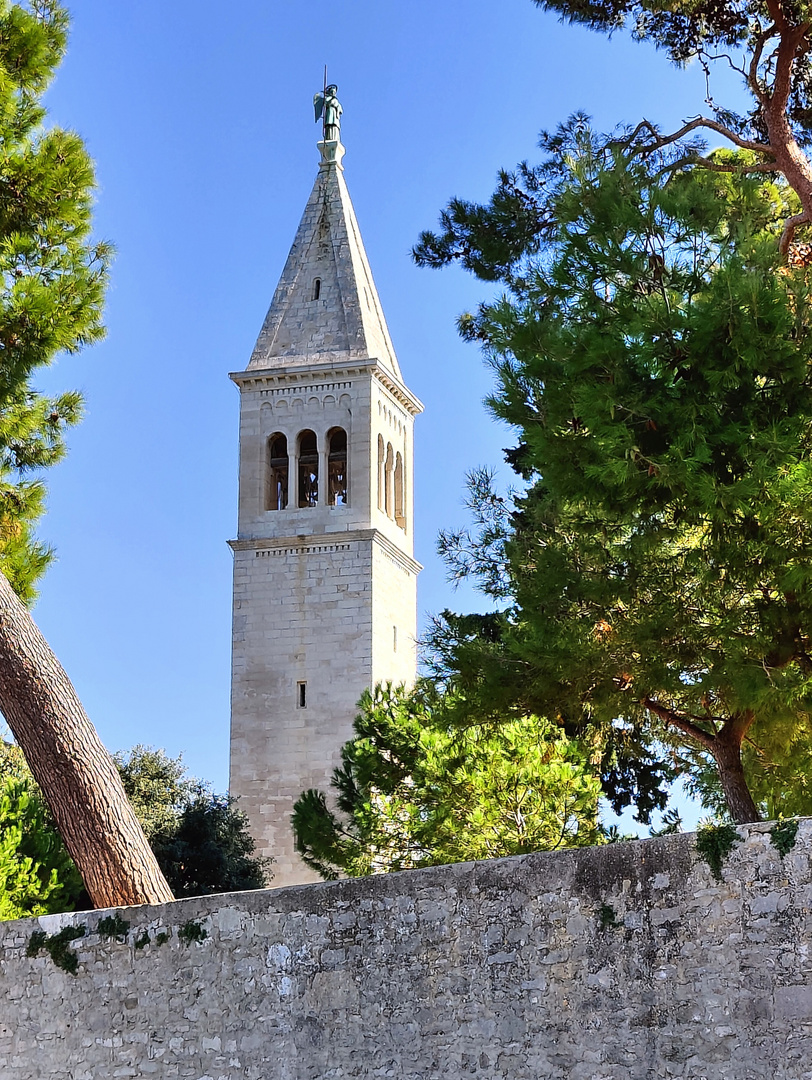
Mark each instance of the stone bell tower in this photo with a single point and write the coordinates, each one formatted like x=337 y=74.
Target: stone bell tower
x=325 y=600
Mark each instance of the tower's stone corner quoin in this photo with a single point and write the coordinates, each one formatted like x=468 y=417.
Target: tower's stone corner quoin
x=325 y=580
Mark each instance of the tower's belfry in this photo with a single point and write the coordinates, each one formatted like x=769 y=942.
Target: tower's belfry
x=324 y=579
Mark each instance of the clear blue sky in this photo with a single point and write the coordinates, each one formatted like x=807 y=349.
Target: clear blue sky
x=199 y=118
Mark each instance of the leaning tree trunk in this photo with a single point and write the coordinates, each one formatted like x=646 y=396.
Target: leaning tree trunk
x=725 y=744
x=78 y=777
x=727 y=752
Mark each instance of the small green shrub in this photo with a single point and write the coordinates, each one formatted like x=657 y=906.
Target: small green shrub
x=192 y=931
x=783 y=836
x=113 y=926
x=36 y=942
x=607 y=917
x=714 y=843
x=162 y=938
x=142 y=940
x=57 y=946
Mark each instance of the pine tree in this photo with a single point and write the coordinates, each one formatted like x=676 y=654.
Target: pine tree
x=411 y=791
x=653 y=354
x=52 y=279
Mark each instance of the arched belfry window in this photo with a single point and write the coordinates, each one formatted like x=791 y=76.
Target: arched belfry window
x=381 y=479
x=400 y=516
x=276 y=483
x=316 y=288
x=308 y=494
x=388 y=469
x=337 y=467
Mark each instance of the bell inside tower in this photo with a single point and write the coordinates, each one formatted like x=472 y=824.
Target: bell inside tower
x=276 y=494
x=308 y=469
x=337 y=467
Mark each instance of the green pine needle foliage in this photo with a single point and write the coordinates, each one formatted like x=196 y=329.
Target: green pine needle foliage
x=37 y=876
x=412 y=791
x=653 y=355
x=52 y=276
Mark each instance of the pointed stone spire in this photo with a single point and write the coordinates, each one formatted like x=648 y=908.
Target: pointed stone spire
x=326 y=307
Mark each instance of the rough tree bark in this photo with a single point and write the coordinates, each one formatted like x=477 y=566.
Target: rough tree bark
x=78 y=778
x=727 y=752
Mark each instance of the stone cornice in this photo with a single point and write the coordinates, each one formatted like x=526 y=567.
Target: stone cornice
x=398 y=390
x=406 y=561
x=328 y=540
x=293 y=374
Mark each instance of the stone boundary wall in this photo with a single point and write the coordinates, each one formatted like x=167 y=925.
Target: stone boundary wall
x=627 y=962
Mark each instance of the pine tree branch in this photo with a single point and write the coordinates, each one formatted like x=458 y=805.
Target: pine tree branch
x=788 y=232
x=717 y=166
x=787 y=53
x=703 y=56
x=658 y=141
x=778 y=16
x=694 y=158
x=757 y=90
x=681 y=721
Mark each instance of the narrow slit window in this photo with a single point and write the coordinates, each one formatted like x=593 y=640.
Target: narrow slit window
x=276 y=489
x=301 y=695
x=381 y=480
x=337 y=467
x=394 y=639
x=388 y=470
x=308 y=469
x=317 y=289
x=400 y=517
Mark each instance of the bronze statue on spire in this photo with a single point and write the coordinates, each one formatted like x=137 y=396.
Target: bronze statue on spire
x=328 y=109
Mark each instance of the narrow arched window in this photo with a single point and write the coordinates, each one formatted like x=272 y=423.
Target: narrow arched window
x=381 y=480
x=308 y=469
x=337 y=467
x=388 y=468
x=400 y=517
x=316 y=288
x=276 y=473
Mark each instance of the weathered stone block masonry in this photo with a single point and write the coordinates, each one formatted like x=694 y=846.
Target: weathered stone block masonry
x=617 y=963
